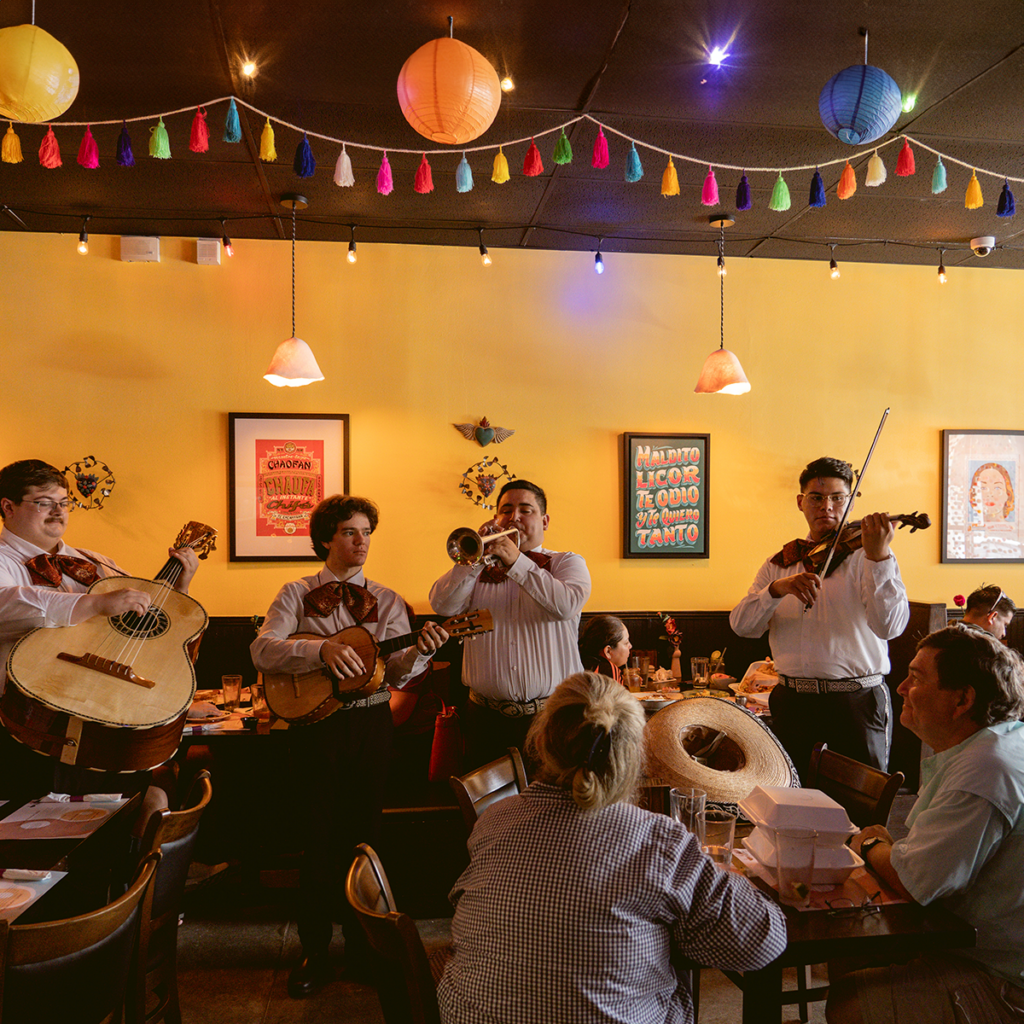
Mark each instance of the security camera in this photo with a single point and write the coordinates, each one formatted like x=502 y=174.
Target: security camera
x=983 y=246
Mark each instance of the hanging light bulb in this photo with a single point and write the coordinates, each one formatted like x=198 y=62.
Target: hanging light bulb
x=833 y=266
x=293 y=364
x=598 y=259
x=722 y=373
x=352 y=244
x=225 y=241
x=83 y=238
x=485 y=256
x=942 y=268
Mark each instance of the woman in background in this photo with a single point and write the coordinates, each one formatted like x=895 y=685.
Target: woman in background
x=605 y=646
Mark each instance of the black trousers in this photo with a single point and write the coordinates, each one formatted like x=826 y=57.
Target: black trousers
x=489 y=734
x=857 y=724
x=339 y=769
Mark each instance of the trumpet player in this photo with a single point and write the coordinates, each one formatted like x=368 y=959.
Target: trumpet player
x=535 y=597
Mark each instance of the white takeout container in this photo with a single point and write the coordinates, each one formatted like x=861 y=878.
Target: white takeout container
x=832 y=864
x=772 y=807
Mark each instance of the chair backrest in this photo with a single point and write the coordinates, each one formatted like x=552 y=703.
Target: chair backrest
x=867 y=793
x=393 y=936
x=74 y=969
x=488 y=784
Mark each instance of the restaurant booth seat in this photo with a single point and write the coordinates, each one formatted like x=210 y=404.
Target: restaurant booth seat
x=75 y=969
x=483 y=786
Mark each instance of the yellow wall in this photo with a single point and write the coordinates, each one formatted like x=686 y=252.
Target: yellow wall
x=140 y=364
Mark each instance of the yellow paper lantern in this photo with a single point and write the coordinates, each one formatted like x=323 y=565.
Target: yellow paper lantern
x=38 y=75
x=449 y=92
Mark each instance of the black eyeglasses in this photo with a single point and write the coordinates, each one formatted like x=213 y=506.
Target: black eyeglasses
x=843 y=906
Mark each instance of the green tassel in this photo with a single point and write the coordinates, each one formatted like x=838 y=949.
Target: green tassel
x=939 y=177
x=563 y=150
x=159 y=143
x=780 y=196
x=232 y=126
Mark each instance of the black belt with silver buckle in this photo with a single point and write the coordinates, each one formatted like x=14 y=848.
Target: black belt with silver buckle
x=805 y=685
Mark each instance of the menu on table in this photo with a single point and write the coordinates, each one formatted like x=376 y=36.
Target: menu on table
x=17 y=895
x=47 y=820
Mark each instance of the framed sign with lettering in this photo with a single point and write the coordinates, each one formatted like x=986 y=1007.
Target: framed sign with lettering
x=280 y=465
x=665 y=485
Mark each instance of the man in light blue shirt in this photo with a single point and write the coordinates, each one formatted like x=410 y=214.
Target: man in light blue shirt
x=963 y=696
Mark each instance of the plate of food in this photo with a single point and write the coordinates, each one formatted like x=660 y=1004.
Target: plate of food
x=753 y=696
x=656 y=700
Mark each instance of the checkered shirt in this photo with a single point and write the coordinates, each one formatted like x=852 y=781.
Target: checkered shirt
x=565 y=916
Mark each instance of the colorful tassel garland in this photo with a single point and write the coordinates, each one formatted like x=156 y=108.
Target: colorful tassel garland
x=670 y=180
x=743 y=199
x=199 y=140
x=905 y=162
x=49 y=150
x=385 y=183
x=817 y=198
x=780 y=200
x=533 y=165
x=88 y=151
x=232 y=126
x=974 y=199
x=1007 y=204
x=12 y=146
x=634 y=169
x=709 y=194
x=424 y=179
x=159 y=143
x=601 y=157
x=463 y=176
x=125 y=156
x=563 y=149
x=847 y=183
x=268 y=151
x=304 y=165
x=343 y=176
x=500 y=173
x=876 y=172
x=939 y=177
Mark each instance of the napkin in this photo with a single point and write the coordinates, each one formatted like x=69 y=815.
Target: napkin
x=24 y=875
x=64 y=798
x=661 y=675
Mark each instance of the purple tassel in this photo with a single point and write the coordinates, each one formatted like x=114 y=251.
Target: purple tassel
x=817 y=199
x=743 y=200
x=125 y=158
x=304 y=165
x=1007 y=204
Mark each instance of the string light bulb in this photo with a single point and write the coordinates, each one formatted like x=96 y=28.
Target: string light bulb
x=507 y=85
x=224 y=240
x=83 y=238
x=352 y=244
x=942 y=268
x=833 y=266
x=599 y=259
x=485 y=256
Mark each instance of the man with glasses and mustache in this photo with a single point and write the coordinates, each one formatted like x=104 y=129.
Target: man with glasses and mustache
x=829 y=637
x=988 y=608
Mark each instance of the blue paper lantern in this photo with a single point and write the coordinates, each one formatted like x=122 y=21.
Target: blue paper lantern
x=860 y=104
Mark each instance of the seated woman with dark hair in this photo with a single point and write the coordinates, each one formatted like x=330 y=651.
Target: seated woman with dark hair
x=605 y=646
x=576 y=903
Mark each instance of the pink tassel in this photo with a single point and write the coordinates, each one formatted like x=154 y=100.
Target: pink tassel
x=533 y=165
x=88 y=151
x=385 y=185
x=424 y=180
x=600 y=149
x=200 y=139
x=49 y=150
x=709 y=194
x=905 y=161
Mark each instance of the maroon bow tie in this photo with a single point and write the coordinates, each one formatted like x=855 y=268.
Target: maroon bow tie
x=499 y=573
x=321 y=601
x=46 y=570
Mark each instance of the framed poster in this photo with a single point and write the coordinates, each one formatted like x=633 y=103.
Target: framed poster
x=665 y=485
x=981 y=478
x=280 y=465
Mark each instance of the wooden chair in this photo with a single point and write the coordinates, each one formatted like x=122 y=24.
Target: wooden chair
x=153 y=989
x=75 y=969
x=393 y=936
x=867 y=793
x=487 y=785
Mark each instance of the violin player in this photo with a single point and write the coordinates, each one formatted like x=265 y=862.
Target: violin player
x=829 y=637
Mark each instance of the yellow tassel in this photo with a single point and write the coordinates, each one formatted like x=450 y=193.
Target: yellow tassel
x=11 y=146
x=500 y=173
x=973 y=200
x=267 y=150
x=670 y=180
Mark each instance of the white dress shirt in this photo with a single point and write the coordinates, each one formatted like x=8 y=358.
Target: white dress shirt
x=536 y=612
x=861 y=606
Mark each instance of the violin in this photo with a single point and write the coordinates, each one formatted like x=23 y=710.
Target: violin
x=850 y=540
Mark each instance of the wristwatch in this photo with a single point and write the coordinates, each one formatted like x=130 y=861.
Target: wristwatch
x=869 y=844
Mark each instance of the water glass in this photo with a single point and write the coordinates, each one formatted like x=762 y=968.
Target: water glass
x=686 y=805
x=699 y=672
x=719 y=833
x=259 y=700
x=794 y=860
x=231 y=692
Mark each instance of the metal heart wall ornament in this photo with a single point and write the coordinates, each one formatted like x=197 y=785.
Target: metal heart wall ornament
x=93 y=480
x=483 y=433
x=480 y=480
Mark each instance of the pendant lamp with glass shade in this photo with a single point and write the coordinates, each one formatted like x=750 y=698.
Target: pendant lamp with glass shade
x=293 y=364
x=722 y=373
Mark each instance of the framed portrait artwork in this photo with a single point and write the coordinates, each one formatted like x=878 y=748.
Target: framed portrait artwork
x=280 y=465
x=981 y=479
x=665 y=495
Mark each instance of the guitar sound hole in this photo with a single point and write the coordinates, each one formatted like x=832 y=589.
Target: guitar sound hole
x=152 y=623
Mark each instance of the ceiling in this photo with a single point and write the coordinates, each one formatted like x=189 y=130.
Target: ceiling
x=638 y=67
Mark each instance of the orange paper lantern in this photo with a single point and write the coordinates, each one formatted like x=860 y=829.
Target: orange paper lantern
x=449 y=92
x=38 y=75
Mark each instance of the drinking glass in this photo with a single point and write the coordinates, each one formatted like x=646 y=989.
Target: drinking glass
x=686 y=805
x=259 y=700
x=631 y=677
x=231 y=692
x=719 y=833
x=699 y=672
x=794 y=853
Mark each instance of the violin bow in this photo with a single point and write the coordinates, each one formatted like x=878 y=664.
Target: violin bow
x=853 y=497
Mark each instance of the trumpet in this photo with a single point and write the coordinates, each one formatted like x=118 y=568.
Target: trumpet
x=466 y=546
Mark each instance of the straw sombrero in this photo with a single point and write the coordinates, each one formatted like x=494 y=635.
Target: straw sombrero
x=747 y=755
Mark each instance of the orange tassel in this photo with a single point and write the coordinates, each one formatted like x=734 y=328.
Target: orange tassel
x=49 y=150
x=974 y=199
x=670 y=180
x=847 y=183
